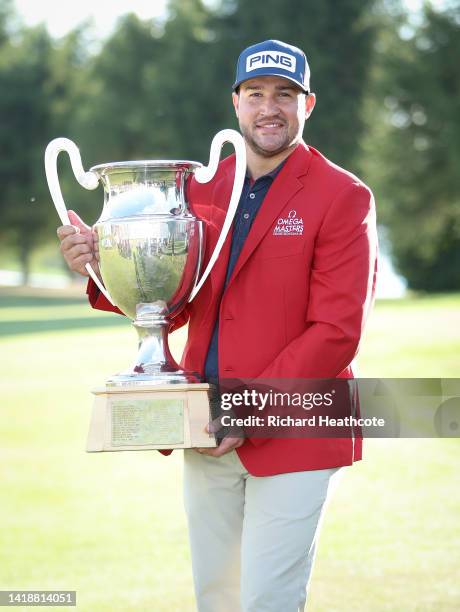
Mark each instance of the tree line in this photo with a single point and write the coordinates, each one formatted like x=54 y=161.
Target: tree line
x=387 y=84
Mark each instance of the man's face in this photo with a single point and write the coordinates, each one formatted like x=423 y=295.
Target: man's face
x=271 y=112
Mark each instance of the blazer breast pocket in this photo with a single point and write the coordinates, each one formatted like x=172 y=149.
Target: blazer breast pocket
x=279 y=247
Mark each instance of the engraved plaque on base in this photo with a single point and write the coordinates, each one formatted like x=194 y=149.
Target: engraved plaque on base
x=156 y=417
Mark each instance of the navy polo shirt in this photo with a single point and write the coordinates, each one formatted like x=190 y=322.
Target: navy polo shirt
x=252 y=196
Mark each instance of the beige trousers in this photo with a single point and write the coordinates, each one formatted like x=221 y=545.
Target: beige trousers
x=252 y=539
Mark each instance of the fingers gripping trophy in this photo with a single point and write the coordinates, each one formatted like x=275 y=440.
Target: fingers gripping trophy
x=151 y=250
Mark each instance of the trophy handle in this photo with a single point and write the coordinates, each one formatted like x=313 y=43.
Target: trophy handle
x=88 y=180
x=206 y=173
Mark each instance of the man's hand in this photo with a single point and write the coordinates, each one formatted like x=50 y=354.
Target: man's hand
x=79 y=245
x=228 y=444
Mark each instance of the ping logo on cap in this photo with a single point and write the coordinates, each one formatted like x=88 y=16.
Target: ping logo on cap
x=270 y=59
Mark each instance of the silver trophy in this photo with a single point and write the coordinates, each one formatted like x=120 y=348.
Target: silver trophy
x=151 y=251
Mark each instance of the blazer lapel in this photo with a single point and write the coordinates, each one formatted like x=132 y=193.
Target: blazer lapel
x=284 y=187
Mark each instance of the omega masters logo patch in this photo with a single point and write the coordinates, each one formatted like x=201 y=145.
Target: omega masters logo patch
x=270 y=59
x=292 y=225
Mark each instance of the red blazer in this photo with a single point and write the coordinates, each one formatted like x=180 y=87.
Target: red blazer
x=297 y=301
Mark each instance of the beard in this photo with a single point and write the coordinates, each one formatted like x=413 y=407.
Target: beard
x=285 y=141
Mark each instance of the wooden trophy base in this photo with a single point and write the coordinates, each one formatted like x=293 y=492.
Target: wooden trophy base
x=150 y=417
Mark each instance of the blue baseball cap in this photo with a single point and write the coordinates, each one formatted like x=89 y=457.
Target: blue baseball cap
x=273 y=58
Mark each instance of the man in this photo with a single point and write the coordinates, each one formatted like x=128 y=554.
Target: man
x=279 y=304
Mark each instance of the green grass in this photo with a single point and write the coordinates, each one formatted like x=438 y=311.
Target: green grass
x=43 y=259
x=111 y=525
x=418 y=337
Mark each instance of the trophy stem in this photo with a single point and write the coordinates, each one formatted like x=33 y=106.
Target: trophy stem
x=153 y=356
x=154 y=363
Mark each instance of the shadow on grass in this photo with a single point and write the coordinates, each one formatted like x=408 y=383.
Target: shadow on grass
x=17 y=328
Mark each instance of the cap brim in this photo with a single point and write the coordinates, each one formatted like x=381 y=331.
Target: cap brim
x=283 y=76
